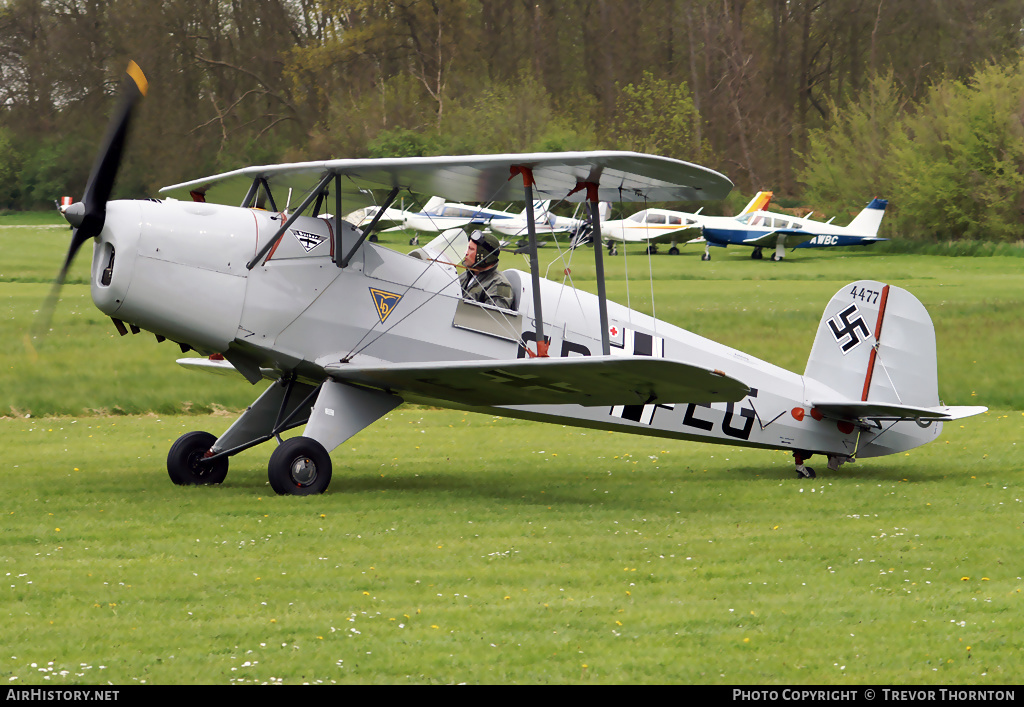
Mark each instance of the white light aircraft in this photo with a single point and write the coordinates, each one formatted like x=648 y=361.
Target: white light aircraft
x=439 y=215
x=656 y=226
x=765 y=229
x=339 y=330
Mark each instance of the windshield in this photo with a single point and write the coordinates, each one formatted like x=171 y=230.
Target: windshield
x=448 y=246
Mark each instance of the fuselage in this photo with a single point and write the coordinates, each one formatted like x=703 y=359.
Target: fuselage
x=178 y=269
x=448 y=216
x=651 y=225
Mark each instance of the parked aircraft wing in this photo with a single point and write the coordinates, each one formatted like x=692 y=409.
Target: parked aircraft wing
x=590 y=380
x=686 y=234
x=855 y=410
x=622 y=176
x=793 y=238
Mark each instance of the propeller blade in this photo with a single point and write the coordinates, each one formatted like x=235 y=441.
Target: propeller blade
x=104 y=170
x=88 y=216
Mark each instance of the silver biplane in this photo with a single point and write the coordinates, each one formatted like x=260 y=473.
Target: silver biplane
x=345 y=329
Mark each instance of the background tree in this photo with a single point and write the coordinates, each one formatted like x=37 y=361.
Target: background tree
x=769 y=88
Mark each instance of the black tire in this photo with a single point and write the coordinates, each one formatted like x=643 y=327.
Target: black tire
x=757 y=254
x=185 y=463
x=373 y=238
x=673 y=251
x=706 y=256
x=775 y=258
x=300 y=466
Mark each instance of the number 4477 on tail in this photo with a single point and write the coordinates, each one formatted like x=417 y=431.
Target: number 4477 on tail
x=344 y=329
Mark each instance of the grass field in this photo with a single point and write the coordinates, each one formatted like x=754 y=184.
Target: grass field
x=467 y=548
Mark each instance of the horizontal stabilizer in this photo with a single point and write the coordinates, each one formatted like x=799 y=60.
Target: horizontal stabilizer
x=589 y=380
x=854 y=410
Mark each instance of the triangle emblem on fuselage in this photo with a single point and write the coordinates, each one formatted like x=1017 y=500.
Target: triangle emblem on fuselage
x=385 y=302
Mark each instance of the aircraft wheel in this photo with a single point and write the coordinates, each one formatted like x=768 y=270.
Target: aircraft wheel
x=706 y=256
x=806 y=473
x=613 y=249
x=757 y=254
x=775 y=258
x=652 y=250
x=300 y=466
x=373 y=238
x=415 y=240
x=673 y=251
x=185 y=461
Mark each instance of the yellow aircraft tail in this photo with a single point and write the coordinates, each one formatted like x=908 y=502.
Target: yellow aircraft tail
x=758 y=203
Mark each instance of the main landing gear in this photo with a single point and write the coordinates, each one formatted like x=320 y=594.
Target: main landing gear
x=300 y=466
x=805 y=472
x=186 y=464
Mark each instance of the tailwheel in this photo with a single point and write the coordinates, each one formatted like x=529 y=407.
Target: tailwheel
x=300 y=466
x=186 y=463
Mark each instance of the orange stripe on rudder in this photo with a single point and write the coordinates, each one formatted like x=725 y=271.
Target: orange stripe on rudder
x=874 y=349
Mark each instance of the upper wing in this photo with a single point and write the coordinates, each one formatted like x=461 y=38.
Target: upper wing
x=855 y=410
x=589 y=380
x=621 y=176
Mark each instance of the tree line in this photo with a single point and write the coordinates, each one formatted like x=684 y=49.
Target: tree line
x=826 y=102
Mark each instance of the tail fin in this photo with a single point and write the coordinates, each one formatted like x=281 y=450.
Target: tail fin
x=433 y=205
x=760 y=202
x=876 y=343
x=540 y=209
x=866 y=223
x=873 y=366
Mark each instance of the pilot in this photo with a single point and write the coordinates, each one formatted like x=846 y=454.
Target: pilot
x=482 y=282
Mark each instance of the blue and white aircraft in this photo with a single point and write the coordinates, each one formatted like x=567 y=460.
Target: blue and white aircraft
x=760 y=229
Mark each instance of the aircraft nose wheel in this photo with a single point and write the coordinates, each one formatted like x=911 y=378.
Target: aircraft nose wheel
x=300 y=466
x=185 y=463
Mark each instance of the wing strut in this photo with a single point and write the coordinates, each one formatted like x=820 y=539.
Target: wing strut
x=602 y=295
x=531 y=229
x=291 y=219
x=369 y=228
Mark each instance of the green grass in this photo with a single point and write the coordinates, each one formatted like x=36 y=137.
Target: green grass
x=467 y=548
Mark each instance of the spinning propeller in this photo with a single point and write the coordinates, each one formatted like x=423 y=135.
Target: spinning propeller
x=88 y=215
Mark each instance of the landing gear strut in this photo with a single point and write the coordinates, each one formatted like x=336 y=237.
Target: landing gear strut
x=803 y=472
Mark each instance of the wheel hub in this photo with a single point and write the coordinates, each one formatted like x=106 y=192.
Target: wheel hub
x=303 y=471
